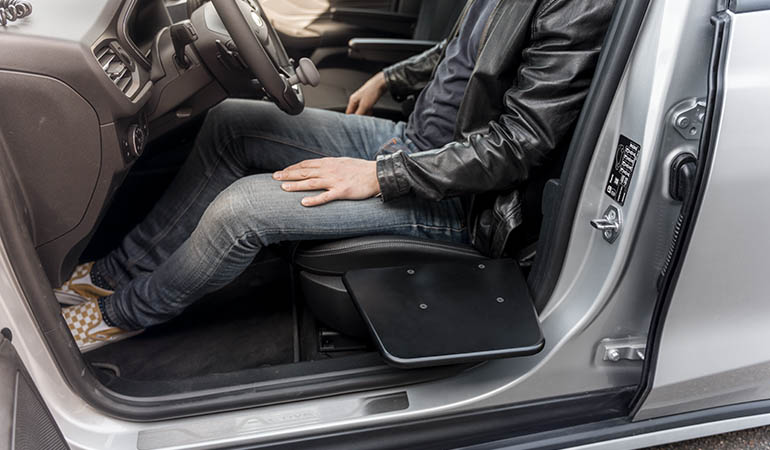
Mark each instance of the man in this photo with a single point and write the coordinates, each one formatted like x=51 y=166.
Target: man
x=495 y=101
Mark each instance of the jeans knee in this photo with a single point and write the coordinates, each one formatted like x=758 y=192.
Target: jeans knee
x=219 y=119
x=228 y=217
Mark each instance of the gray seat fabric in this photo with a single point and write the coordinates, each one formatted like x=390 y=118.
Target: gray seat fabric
x=321 y=267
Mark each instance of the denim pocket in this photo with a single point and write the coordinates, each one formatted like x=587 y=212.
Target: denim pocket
x=392 y=146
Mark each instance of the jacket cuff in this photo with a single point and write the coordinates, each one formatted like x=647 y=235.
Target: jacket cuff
x=392 y=81
x=391 y=176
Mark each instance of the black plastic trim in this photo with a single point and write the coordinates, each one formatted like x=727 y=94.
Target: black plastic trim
x=124 y=37
x=619 y=43
x=620 y=428
x=705 y=159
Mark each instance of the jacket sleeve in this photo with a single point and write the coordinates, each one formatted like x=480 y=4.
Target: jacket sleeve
x=413 y=74
x=538 y=111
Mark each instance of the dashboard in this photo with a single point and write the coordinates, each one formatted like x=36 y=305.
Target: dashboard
x=84 y=84
x=146 y=18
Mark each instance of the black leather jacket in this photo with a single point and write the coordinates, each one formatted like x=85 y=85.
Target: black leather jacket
x=531 y=78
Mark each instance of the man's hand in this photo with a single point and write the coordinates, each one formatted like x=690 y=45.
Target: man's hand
x=342 y=178
x=362 y=101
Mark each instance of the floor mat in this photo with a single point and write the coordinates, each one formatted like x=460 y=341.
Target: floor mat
x=245 y=325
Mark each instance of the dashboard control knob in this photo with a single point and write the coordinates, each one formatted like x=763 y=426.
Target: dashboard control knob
x=137 y=139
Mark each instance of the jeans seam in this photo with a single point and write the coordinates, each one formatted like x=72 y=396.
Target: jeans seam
x=235 y=242
x=290 y=144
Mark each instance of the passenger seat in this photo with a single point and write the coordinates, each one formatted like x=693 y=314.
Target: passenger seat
x=341 y=78
x=305 y=25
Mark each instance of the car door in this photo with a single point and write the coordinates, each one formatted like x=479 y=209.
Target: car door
x=711 y=349
x=25 y=422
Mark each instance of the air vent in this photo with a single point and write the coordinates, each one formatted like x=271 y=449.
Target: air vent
x=116 y=64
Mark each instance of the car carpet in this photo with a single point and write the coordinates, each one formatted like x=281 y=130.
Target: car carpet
x=247 y=324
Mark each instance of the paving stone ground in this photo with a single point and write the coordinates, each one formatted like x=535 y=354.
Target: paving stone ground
x=753 y=439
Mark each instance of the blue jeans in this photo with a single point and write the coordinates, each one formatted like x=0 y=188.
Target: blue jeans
x=224 y=207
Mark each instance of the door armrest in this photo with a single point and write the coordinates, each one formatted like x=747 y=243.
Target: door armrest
x=387 y=51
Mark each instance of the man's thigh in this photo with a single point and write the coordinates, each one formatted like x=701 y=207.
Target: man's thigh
x=275 y=216
x=272 y=139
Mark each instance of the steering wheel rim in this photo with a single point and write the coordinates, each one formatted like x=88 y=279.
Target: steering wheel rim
x=262 y=51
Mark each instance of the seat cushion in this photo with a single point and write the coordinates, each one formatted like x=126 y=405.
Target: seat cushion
x=336 y=87
x=338 y=257
x=307 y=24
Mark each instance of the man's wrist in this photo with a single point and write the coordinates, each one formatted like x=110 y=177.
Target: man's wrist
x=382 y=83
x=376 y=183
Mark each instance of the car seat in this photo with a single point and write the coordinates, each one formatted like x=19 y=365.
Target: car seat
x=339 y=79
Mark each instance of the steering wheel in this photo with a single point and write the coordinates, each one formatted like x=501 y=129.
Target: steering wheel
x=262 y=51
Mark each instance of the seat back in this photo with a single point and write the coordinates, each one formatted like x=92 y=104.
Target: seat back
x=436 y=19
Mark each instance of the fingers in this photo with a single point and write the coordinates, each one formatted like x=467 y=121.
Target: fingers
x=297 y=174
x=339 y=178
x=313 y=184
x=306 y=164
x=321 y=199
x=364 y=109
x=353 y=104
x=302 y=170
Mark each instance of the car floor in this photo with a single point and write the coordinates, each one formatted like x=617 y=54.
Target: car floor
x=243 y=326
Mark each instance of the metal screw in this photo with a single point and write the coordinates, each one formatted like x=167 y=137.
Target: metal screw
x=683 y=122
x=613 y=355
x=608 y=234
x=611 y=215
x=693 y=131
x=500 y=299
x=423 y=306
x=482 y=266
x=410 y=271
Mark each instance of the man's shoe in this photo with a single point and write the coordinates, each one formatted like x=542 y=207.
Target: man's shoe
x=81 y=287
x=89 y=329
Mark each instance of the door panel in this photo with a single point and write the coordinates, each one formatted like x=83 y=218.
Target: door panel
x=25 y=423
x=713 y=348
